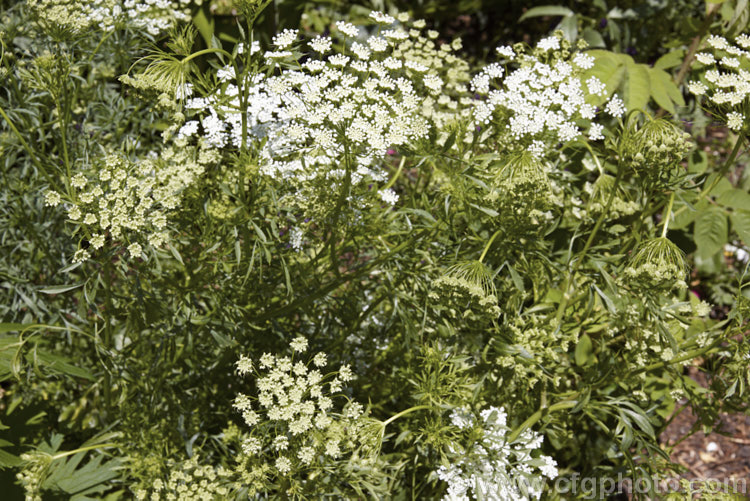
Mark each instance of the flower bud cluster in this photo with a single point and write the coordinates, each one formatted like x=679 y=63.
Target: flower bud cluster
x=654 y=147
x=469 y=283
x=130 y=200
x=657 y=264
x=494 y=467
x=189 y=481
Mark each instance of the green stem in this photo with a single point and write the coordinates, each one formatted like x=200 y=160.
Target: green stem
x=25 y=145
x=207 y=51
x=398 y=173
x=724 y=168
x=62 y=123
x=404 y=413
x=82 y=449
x=586 y=247
x=301 y=302
x=489 y=244
x=98 y=46
x=667 y=215
x=534 y=418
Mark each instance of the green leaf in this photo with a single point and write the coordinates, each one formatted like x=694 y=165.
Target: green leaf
x=711 y=231
x=697 y=162
x=741 y=224
x=59 y=289
x=8 y=460
x=609 y=68
x=205 y=25
x=670 y=60
x=734 y=198
x=569 y=27
x=546 y=10
x=660 y=80
x=637 y=86
x=584 y=353
x=593 y=38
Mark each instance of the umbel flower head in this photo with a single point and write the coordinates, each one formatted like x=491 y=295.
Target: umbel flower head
x=493 y=467
x=323 y=126
x=294 y=425
x=539 y=104
x=655 y=146
x=724 y=71
x=470 y=283
x=657 y=264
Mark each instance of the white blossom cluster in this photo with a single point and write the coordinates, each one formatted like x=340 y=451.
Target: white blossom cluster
x=544 y=96
x=328 y=123
x=188 y=481
x=726 y=81
x=293 y=422
x=151 y=16
x=493 y=468
x=127 y=200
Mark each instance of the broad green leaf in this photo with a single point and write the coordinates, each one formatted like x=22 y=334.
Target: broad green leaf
x=205 y=25
x=741 y=224
x=584 y=353
x=670 y=59
x=734 y=198
x=8 y=460
x=697 y=162
x=546 y=10
x=593 y=38
x=569 y=27
x=609 y=69
x=637 y=86
x=711 y=231
x=660 y=80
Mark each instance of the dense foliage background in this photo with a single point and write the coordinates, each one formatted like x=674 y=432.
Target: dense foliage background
x=227 y=272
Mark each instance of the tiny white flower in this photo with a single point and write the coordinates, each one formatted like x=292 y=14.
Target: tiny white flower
x=347 y=29
x=299 y=344
x=615 y=106
x=735 y=121
x=321 y=44
x=135 y=250
x=705 y=58
x=382 y=18
x=549 y=43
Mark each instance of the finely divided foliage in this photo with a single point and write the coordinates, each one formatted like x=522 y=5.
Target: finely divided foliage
x=345 y=260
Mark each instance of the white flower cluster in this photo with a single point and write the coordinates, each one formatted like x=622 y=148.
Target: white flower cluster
x=131 y=200
x=328 y=124
x=189 y=481
x=152 y=16
x=726 y=81
x=544 y=95
x=493 y=468
x=293 y=422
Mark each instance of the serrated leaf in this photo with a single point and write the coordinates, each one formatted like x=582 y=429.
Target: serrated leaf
x=711 y=231
x=734 y=198
x=670 y=60
x=741 y=224
x=546 y=10
x=637 y=87
x=660 y=80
